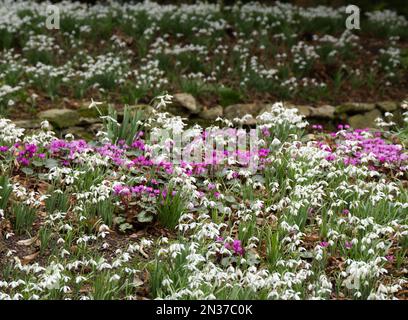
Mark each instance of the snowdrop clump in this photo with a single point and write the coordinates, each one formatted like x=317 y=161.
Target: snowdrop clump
x=243 y=49
x=318 y=219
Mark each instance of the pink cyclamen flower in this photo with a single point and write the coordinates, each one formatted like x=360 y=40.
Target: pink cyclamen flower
x=324 y=244
x=211 y=186
x=390 y=258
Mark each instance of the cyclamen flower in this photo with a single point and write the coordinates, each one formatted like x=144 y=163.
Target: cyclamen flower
x=236 y=246
x=266 y=132
x=317 y=127
x=26 y=153
x=211 y=186
x=390 y=258
x=324 y=244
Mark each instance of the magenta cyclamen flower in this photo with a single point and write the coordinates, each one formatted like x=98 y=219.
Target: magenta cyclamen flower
x=390 y=258
x=348 y=244
x=26 y=153
x=235 y=246
x=211 y=186
x=324 y=244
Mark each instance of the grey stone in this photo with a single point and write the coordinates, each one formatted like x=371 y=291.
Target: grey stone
x=60 y=118
x=239 y=110
x=325 y=112
x=187 y=101
x=177 y=110
x=88 y=121
x=303 y=109
x=95 y=128
x=387 y=106
x=79 y=133
x=211 y=113
x=354 y=107
x=28 y=124
x=86 y=112
x=365 y=120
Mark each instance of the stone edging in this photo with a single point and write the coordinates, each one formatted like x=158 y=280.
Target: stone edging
x=357 y=114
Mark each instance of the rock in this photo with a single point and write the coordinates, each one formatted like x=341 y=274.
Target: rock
x=354 y=107
x=325 y=112
x=28 y=124
x=387 y=106
x=79 y=133
x=87 y=112
x=365 y=120
x=187 y=101
x=95 y=128
x=177 y=110
x=303 y=110
x=240 y=110
x=60 y=118
x=211 y=113
x=88 y=121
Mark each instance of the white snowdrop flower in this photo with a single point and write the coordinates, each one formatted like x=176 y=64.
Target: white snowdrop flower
x=8 y=235
x=167 y=282
x=276 y=142
x=80 y=279
x=104 y=265
x=65 y=289
x=64 y=253
x=114 y=278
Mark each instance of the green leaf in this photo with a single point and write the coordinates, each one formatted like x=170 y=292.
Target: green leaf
x=27 y=171
x=38 y=163
x=125 y=226
x=144 y=217
x=51 y=163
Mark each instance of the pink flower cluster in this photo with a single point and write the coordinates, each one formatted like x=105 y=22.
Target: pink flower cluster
x=360 y=143
x=26 y=153
x=235 y=246
x=136 y=190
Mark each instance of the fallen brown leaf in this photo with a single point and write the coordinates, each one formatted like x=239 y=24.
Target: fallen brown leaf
x=27 y=242
x=29 y=258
